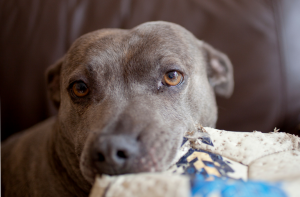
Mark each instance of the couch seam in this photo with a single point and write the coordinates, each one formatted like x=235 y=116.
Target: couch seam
x=279 y=39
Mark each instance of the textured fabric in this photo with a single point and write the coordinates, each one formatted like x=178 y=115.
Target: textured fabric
x=260 y=38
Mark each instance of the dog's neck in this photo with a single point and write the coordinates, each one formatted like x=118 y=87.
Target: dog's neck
x=65 y=164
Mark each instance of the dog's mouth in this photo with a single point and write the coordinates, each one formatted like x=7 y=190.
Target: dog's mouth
x=139 y=165
x=127 y=161
x=150 y=148
x=124 y=158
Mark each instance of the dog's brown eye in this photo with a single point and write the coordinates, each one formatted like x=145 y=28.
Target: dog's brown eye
x=80 y=89
x=173 y=78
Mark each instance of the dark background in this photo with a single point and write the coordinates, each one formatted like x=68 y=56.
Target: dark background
x=261 y=37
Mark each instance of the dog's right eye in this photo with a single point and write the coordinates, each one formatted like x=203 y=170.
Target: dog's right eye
x=80 y=89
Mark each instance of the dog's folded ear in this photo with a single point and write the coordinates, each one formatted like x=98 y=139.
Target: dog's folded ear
x=53 y=81
x=219 y=71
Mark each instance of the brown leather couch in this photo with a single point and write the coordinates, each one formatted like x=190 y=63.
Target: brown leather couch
x=261 y=37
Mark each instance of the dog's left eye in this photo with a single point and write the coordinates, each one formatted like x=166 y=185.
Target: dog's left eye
x=173 y=78
x=80 y=89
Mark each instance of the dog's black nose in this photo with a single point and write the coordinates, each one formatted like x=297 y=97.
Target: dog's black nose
x=115 y=154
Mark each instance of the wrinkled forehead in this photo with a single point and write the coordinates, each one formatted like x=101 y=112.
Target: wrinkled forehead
x=150 y=42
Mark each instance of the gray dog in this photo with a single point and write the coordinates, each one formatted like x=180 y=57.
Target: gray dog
x=125 y=98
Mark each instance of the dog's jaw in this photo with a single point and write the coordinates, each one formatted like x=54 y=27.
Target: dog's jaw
x=155 y=155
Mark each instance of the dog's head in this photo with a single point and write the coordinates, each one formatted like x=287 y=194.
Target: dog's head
x=126 y=97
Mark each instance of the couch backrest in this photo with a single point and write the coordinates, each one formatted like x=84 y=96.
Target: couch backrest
x=260 y=37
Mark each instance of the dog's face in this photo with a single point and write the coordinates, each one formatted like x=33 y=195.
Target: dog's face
x=126 y=97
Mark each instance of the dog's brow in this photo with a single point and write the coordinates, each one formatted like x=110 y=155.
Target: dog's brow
x=90 y=69
x=171 y=61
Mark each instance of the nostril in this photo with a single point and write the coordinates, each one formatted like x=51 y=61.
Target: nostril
x=101 y=157
x=122 y=154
